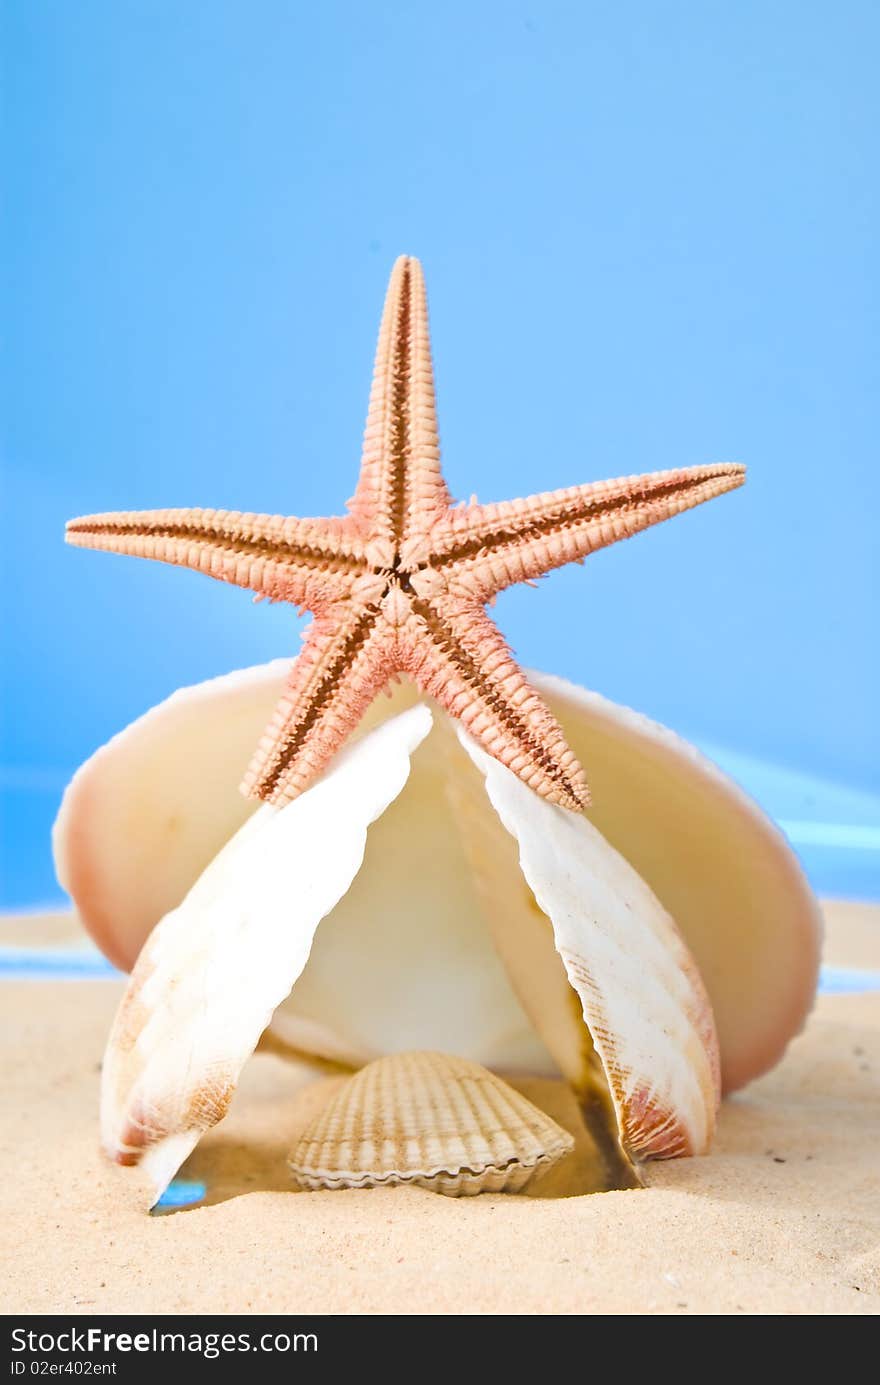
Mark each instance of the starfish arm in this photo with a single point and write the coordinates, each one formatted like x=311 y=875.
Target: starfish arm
x=457 y=654
x=304 y=561
x=401 y=485
x=485 y=548
x=343 y=663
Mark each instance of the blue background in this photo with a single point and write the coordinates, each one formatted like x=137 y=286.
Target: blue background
x=649 y=232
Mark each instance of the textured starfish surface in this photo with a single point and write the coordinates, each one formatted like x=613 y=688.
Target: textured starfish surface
x=400 y=583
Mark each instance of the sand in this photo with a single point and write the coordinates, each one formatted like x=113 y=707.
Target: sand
x=783 y=1216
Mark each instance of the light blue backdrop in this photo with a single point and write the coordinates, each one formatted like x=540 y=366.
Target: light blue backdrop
x=650 y=236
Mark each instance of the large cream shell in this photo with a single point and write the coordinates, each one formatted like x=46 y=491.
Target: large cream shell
x=432 y=1120
x=150 y=809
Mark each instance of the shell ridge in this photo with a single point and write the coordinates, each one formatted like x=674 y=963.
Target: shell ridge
x=426 y=1119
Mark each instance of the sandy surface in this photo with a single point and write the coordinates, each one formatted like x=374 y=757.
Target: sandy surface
x=783 y=1216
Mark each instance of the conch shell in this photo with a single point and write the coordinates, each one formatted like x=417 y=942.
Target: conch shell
x=475 y=919
x=442 y=1123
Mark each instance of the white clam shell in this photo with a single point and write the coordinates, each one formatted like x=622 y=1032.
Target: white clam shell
x=213 y=970
x=482 y=922
x=640 y=993
x=432 y=1120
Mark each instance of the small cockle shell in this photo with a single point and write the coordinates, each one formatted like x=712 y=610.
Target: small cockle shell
x=440 y=1122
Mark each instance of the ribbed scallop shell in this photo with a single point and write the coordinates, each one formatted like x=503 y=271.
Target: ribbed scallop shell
x=439 y=1122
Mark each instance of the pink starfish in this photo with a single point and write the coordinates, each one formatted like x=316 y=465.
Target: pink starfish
x=400 y=583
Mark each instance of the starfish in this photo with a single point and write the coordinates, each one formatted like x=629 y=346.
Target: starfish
x=399 y=585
